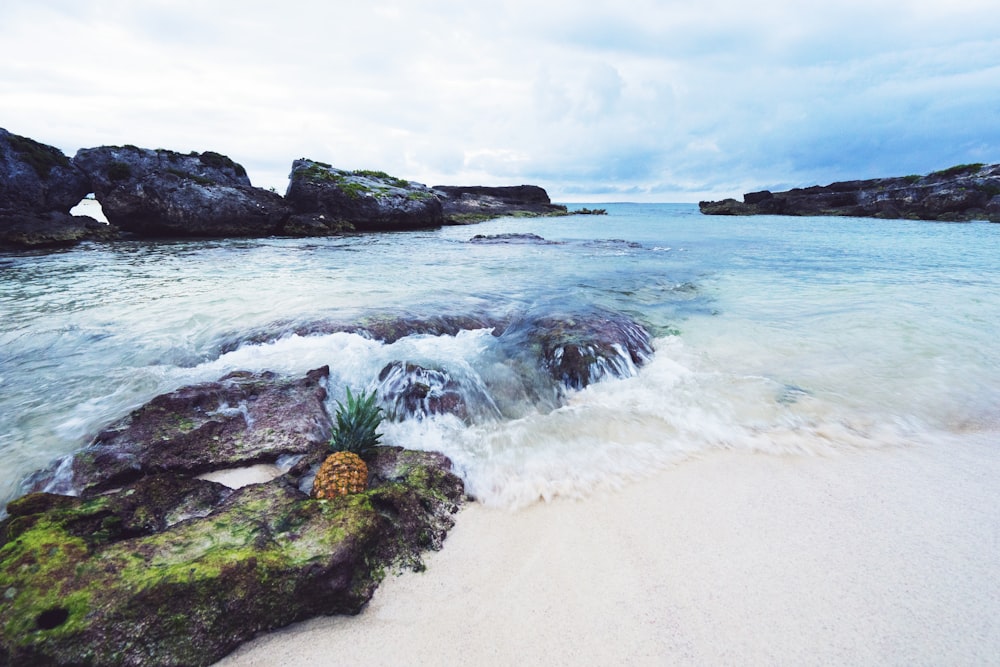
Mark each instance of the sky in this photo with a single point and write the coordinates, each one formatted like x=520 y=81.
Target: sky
x=594 y=100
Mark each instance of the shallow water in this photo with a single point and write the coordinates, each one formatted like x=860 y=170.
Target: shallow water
x=811 y=335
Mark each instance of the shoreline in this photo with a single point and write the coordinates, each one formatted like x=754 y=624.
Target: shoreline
x=876 y=556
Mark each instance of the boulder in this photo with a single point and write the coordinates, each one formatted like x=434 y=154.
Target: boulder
x=240 y=420
x=466 y=204
x=174 y=571
x=161 y=193
x=963 y=192
x=322 y=196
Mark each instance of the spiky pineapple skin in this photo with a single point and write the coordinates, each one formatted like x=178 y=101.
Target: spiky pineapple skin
x=340 y=474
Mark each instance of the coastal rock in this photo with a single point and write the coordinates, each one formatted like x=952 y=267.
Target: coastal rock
x=578 y=349
x=178 y=571
x=322 y=196
x=36 y=178
x=161 y=193
x=414 y=391
x=243 y=419
x=38 y=187
x=383 y=327
x=960 y=193
x=27 y=231
x=466 y=204
x=507 y=239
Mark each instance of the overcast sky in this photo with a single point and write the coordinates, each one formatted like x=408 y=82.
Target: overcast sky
x=595 y=100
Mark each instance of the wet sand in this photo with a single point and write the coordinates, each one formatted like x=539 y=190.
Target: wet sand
x=867 y=557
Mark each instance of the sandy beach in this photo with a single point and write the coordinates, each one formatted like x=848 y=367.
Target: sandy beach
x=866 y=557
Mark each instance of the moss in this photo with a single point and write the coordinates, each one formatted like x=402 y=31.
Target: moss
x=186 y=175
x=320 y=172
x=958 y=170
x=419 y=195
x=382 y=176
x=42 y=158
x=355 y=190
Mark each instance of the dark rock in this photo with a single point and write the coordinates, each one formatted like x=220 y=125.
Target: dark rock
x=413 y=391
x=321 y=195
x=112 y=581
x=465 y=204
x=964 y=192
x=385 y=327
x=161 y=193
x=504 y=239
x=243 y=419
x=27 y=231
x=36 y=178
x=578 y=349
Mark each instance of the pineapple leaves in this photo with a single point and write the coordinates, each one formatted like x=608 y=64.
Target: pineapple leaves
x=357 y=424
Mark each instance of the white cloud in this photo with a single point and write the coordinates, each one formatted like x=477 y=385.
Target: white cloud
x=643 y=98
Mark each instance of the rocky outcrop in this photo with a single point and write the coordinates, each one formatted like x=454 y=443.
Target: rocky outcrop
x=150 y=565
x=242 y=419
x=468 y=204
x=964 y=192
x=38 y=187
x=325 y=198
x=177 y=571
x=161 y=193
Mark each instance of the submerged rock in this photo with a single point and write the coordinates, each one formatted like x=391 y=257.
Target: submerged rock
x=125 y=579
x=963 y=192
x=578 y=349
x=504 y=239
x=243 y=419
x=162 y=193
x=325 y=198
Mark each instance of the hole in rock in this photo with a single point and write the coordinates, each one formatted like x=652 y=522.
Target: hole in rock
x=89 y=206
x=52 y=618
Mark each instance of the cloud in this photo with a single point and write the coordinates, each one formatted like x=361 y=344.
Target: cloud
x=660 y=100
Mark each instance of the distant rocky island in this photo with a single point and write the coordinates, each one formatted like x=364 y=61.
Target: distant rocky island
x=960 y=193
x=147 y=193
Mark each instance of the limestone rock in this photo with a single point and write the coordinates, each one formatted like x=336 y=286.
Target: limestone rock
x=36 y=178
x=173 y=571
x=465 y=204
x=963 y=192
x=323 y=196
x=240 y=420
x=161 y=193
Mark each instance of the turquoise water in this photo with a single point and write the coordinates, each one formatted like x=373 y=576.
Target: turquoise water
x=811 y=336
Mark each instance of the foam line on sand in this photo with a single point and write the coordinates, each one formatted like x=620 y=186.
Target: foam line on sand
x=873 y=557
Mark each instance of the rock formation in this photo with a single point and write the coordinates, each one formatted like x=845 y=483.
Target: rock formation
x=165 y=194
x=161 y=193
x=467 y=204
x=964 y=192
x=38 y=187
x=326 y=199
x=153 y=566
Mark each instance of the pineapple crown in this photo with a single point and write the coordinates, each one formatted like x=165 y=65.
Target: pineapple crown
x=357 y=424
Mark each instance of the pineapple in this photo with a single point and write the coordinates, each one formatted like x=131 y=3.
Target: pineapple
x=344 y=471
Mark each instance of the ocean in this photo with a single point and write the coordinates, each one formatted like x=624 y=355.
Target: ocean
x=779 y=335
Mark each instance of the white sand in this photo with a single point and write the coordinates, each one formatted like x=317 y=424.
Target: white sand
x=878 y=557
